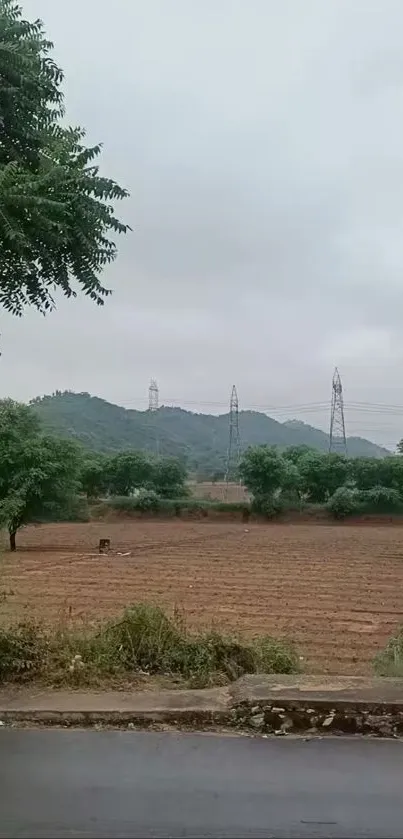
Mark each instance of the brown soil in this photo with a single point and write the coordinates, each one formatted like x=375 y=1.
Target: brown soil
x=337 y=591
x=219 y=491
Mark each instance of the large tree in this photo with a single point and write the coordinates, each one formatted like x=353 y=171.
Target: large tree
x=56 y=213
x=38 y=473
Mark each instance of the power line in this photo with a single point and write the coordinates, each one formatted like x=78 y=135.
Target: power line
x=307 y=407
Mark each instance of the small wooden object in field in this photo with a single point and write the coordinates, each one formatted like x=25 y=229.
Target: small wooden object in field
x=104 y=546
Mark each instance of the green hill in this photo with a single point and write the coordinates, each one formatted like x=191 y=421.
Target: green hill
x=200 y=439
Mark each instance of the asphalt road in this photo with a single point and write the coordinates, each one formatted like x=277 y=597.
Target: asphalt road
x=59 y=783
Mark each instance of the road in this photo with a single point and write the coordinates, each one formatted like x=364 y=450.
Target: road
x=59 y=783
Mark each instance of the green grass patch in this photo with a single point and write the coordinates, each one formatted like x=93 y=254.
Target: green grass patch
x=144 y=640
x=389 y=662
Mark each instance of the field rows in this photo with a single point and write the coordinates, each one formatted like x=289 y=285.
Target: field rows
x=337 y=591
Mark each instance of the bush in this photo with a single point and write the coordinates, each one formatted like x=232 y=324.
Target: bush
x=145 y=639
x=381 y=499
x=389 y=662
x=23 y=651
x=269 y=506
x=148 y=500
x=149 y=640
x=344 y=502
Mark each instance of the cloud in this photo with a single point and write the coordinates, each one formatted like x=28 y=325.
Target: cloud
x=262 y=145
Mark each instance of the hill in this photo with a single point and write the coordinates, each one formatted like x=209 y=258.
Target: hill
x=200 y=439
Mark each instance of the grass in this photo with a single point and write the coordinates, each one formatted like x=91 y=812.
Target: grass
x=144 y=641
x=389 y=662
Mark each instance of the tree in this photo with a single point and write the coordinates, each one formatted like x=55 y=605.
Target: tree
x=128 y=471
x=295 y=453
x=56 y=211
x=265 y=471
x=168 y=477
x=373 y=472
x=322 y=474
x=94 y=475
x=38 y=474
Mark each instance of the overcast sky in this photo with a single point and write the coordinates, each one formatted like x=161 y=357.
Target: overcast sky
x=262 y=144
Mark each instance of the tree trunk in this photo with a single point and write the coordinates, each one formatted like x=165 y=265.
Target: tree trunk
x=12 y=540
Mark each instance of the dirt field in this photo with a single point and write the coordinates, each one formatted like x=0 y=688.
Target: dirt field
x=336 y=590
x=218 y=491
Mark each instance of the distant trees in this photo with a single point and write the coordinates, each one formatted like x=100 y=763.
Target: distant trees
x=127 y=472
x=38 y=473
x=56 y=211
x=345 y=485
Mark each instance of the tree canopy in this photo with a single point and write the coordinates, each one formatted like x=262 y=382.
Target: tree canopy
x=56 y=211
x=345 y=485
x=38 y=473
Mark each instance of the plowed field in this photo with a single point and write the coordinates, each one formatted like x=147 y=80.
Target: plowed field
x=336 y=590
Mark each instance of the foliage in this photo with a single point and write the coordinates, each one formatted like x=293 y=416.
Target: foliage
x=200 y=441
x=389 y=662
x=322 y=475
x=56 y=213
x=370 y=472
x=381 y=499
x=130 y=472
x=94 y=475
x=347 y=501
x=168 y=477
x=145 y=639
x=169 y=506
x=127 y=471
x=38 y=474
x=147 y=500
x=264 y=471
x=23 y=651
x=344 y=502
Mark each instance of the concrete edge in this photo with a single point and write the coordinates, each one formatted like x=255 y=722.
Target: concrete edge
x=258 y=705
x=177 y=718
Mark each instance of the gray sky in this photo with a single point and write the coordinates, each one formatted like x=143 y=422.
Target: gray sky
x=262 y=143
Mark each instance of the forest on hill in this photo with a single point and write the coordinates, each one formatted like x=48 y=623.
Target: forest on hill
x=199 y=440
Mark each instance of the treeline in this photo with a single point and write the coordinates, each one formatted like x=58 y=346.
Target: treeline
x=132 y=472
x=300 y=475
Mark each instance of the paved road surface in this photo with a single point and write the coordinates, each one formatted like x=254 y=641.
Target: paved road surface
x=60 y=783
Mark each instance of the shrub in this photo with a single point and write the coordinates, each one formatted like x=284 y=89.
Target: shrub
x=269 y=506
x=145 y=639
x=23 y=651
x=148 y=500
x=344 y=502
x=389 y=662
x=381 y=499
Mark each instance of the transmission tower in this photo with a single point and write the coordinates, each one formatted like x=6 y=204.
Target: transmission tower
x=234 y=442
x=337 y=436
x=153 y=396
x=153 y=404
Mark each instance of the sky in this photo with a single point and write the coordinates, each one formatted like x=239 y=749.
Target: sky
x=262 y=144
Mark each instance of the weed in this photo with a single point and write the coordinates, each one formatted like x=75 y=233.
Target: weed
x=144 y=640
x=389 y=662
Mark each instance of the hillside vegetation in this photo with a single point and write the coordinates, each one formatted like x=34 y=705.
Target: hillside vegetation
x=200 y=440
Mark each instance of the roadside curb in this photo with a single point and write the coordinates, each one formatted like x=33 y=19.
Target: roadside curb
x=270 y=705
